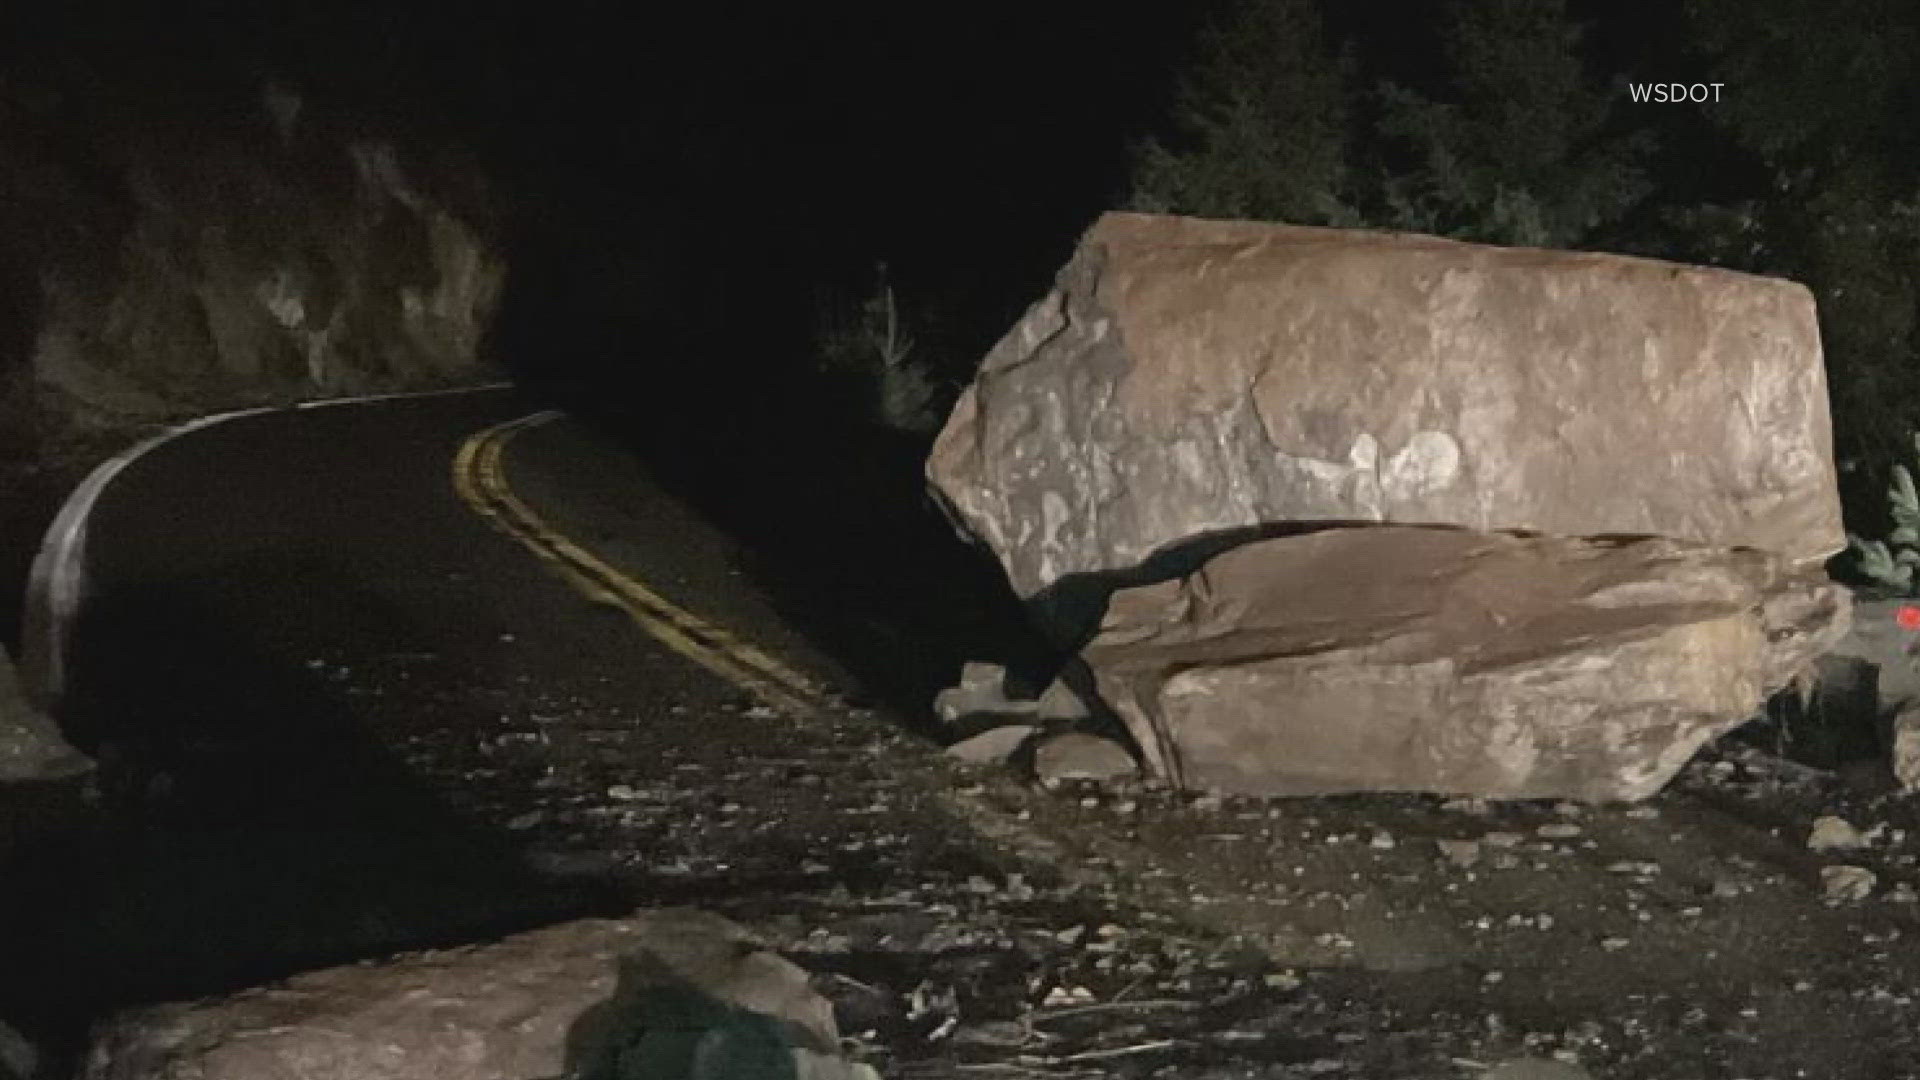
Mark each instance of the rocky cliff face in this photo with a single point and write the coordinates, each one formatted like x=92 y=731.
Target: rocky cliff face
x=159 y=260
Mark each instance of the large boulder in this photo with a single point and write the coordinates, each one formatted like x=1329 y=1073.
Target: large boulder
x=1448 y=660
x=672 y=994
x=1186 y=377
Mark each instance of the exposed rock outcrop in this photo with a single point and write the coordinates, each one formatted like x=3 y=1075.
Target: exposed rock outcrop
x=1187 y=377
x=671 y=994
x=165 y=259
x=1418 y=659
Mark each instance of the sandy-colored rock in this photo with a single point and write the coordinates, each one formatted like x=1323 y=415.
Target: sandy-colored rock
x=1833 y=833
x=19 y=1060
x=981 y=694
x=1077 y=755
x=1844 y=882
x=1447 y=660
x=994 y=745
x=981 y=689
x=662 y=991
x=1187 y=377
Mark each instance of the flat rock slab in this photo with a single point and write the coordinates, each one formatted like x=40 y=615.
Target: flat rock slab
x=662 y=990
x=1445 y=660
x=1187 y=377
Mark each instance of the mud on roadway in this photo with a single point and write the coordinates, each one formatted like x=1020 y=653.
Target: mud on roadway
x=965 y=922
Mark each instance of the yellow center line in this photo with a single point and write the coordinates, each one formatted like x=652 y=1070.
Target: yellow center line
x=479 y=476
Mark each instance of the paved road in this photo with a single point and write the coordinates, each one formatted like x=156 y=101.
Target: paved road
x=291 y=614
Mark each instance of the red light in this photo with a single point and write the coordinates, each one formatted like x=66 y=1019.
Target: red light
x=1908 y=617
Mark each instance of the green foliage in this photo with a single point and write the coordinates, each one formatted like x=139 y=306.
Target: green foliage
x=1260 y=123
x=1890 y=562
x=871 y=349
x=1272 y=123
x=1522 y=152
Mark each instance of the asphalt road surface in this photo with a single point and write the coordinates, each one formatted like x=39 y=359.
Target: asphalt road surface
x=284 y=610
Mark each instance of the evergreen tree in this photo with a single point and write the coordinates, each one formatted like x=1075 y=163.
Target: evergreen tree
x=1525 y=151
x=1260 y=123
x=1821 y=99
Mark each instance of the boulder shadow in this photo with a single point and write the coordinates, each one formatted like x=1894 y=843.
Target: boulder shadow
x=254 y=825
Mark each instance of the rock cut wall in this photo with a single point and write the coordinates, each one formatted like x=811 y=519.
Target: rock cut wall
x=181 y=259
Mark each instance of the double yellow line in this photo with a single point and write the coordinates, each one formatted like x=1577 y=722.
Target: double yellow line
x=480 y=478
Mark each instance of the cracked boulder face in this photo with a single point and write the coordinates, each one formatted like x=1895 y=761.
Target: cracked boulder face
x=1447 y=660
x=1190 y=377
x=1331 y=506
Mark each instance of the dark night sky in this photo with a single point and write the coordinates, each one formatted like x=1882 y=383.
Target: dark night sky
x=661 y=157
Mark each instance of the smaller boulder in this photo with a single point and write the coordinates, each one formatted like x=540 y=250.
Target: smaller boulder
x=671 y=994
x=1076 y=755
x=994 y=746
x=1390 y=658
x=1833 y=833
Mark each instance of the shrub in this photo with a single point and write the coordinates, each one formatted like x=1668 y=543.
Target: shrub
x=1890 y=562
x=872 y=349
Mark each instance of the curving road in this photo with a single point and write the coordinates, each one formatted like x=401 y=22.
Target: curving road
x=325 y=689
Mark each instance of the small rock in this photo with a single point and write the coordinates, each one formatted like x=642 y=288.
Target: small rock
x=622 y=792
x=1634 y=867
x=1558 y=830
x=1536 y=1069
x=1080 y=756
x=1904 y=748
x=1382 y=841
x=1461 y=853
x=682 y=975
x=1503 y=839
x=995 y=1033
x=1847 y=882
x=992 y=746
x=1831 y=833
